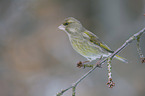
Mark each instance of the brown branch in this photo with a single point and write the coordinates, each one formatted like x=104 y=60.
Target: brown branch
x=132 y=38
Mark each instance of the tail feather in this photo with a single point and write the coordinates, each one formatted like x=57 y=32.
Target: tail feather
x=121 y=58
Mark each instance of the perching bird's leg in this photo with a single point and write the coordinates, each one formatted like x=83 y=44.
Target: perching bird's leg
x=98 y=62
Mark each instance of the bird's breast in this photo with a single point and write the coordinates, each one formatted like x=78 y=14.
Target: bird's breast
x=86 y=48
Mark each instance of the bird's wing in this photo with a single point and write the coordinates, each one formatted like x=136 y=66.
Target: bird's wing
x=95 y=40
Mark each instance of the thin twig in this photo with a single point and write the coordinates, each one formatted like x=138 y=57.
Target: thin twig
x=132 y=38
x=139 y=51
x=110 y=82
x=138 y=48
x=135 y=36
x=79 y=80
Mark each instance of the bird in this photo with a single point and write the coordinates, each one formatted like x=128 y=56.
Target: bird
x=85 y=42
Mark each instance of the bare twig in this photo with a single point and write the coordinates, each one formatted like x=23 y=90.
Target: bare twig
x=132 y=38
x=139 y=50
x=110 y=82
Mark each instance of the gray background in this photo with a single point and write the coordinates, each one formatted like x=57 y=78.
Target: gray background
x=36 y=58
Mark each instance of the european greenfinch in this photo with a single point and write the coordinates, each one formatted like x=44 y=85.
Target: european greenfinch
x=85 y=42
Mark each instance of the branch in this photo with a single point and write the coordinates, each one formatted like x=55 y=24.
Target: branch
x=109 y=58
x=134 y=37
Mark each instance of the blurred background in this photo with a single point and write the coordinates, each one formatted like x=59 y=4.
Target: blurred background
x=36 y=58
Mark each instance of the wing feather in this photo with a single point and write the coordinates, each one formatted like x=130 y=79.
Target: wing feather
x=95 y=40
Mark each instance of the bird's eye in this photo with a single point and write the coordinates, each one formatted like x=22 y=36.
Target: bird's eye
x=65 y=24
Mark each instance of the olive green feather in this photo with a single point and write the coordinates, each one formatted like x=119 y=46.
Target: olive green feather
x=94 y=39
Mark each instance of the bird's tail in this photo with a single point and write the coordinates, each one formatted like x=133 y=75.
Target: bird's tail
x=121 y=58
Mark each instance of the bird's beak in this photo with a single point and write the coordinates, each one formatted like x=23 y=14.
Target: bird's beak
x=62 y=27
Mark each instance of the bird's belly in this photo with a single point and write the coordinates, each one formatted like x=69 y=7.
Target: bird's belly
x=87 y=49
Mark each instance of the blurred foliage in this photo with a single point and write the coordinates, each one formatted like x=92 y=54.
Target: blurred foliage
x=36 y=58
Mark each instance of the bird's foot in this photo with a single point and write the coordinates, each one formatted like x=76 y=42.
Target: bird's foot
x=99 y=65
x=98 y=62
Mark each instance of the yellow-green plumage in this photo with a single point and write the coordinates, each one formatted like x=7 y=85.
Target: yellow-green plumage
x=84 y=42
x=83 y=47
